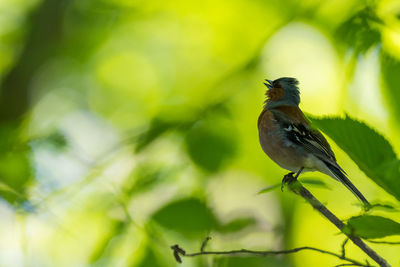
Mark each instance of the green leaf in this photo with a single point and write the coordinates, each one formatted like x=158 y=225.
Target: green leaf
x=210 y=144
x=237 y=225
x=55 y=139
x=147 y=175
x=309 y=181
x=368 y=226
x=15 y=167
x=188 y=216
x=269 y=189
x=360 y=31
x=179 y=118
x=390 y=69
x=157 y=127
x=372 y=153
x=382 y=206
x=313 y=182
x=149 y=259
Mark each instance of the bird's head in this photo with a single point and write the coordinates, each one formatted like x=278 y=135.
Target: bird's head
x=282 y=92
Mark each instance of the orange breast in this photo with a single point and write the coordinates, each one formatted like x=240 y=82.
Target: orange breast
x=271 y=140
x=275 y=94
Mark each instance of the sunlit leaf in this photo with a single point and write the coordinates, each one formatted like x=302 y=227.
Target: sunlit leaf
x=189 y=216
x=368 y=226
x=372 y=153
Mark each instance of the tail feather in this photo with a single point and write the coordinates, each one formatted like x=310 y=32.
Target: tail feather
x=344 y=180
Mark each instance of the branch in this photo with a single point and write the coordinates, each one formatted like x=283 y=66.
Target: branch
x=179 y=252
x=297 y=188
x=384 y=242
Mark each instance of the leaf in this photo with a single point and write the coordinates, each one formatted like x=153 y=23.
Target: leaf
x=149 y=259
x=309 y=181
x=360 y=31
x=210 y=144
x=269 y=189
x=178 y=118
x=15 y=167
x=188 y=216
x=372 y=153
x=381 y=206
x=55 y=139
x=237 y=225
x=368 y=226
x=157 y=127
x=390 y=69
x=147 y=175
x=313 y=182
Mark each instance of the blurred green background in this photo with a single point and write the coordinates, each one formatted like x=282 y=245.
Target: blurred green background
x=128 y=126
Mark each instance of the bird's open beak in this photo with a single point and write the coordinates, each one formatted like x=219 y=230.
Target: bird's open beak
x=268 y=84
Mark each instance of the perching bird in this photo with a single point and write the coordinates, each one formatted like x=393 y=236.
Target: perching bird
x=287 y=138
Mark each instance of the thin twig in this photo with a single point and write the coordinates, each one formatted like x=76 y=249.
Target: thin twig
x=344 y=247
x=178 y=252
x=348 y=264
x=297 y=188
x=384 y=242
x=204 y=244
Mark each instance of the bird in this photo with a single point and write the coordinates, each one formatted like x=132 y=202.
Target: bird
x=286 y=136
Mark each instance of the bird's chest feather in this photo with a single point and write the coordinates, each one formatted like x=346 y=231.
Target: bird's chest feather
x=278 y=148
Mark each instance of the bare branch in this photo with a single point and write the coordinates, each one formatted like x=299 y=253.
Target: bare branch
x=348 y=264
x=297 y=188
x=178 y=252
x=384 y=242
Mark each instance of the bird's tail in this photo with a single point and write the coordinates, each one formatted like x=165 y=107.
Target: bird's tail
x=341 y=177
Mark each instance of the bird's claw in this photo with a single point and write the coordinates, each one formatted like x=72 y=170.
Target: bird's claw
x=287 y=179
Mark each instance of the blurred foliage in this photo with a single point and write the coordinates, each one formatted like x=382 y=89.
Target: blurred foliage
x=193 y=218
x=129 y=126
x=209 y=146
x=15 y=169
x=390 y=67
x=188 y=216
x=361 y=31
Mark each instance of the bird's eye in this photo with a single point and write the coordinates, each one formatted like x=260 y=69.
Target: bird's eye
x=276 y=84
